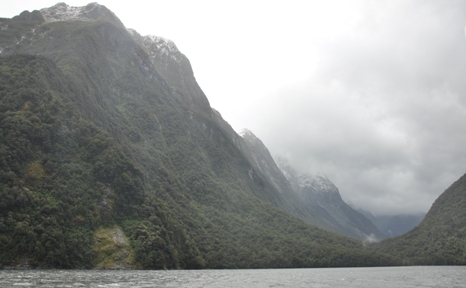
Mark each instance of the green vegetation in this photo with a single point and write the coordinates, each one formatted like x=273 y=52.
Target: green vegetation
x=94 y=141
x=61 y=176
x=112 y=249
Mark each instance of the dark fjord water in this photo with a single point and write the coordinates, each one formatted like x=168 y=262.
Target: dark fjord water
x=449 y=276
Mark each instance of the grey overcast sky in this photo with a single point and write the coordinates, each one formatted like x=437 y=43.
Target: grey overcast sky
x=370 y=93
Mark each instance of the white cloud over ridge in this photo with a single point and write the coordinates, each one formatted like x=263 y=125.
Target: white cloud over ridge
x=384 y=114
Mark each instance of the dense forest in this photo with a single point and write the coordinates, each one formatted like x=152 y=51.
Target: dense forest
x=63 y=178
x=107 y=161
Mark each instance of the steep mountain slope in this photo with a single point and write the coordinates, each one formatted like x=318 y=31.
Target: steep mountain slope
x=314 y=199
x=319 y=194
x=440 y=239
x=105 y=132
x=260 y=158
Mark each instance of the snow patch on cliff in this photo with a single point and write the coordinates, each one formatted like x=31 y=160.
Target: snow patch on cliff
x=157 y=46
x=245 y=132
x=132 y=32
x=318 y=182
x=90 y=12
x=64 y=12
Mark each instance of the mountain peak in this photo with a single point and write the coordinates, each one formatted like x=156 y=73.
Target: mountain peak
x=92 y=11
x=163 y=45
x=317 y=183
x=245 y=133
x=248 y=136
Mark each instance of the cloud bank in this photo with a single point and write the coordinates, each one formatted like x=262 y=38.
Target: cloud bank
x=383 y=113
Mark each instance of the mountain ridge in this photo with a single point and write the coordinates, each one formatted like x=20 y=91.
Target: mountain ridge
x=93 y=11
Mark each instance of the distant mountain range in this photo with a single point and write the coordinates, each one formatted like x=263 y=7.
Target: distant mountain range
x=317 y=200
x=394 y=225
x=111 y=157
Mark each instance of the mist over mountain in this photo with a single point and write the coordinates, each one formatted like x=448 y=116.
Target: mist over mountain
x=319 y=194
x=111 y=157
x=394 y=225
x=316 y=200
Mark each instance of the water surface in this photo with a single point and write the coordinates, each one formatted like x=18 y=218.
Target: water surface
x=430 y=276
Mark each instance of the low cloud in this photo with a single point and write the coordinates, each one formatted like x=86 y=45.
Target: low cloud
x=383 y=115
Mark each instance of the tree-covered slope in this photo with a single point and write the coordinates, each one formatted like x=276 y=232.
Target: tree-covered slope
x=440 y=239
x=96 y=138
x=54 y=168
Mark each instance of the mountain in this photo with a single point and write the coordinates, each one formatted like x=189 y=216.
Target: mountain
x=440 y=239
x=259 y=157
x=112 y=157
x=394 y=225
x=316 y=200
x=319 y=194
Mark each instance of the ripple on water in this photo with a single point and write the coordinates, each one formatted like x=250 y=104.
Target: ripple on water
x=445 y=276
